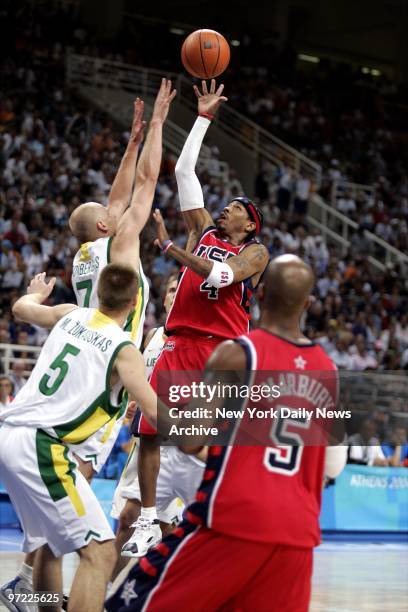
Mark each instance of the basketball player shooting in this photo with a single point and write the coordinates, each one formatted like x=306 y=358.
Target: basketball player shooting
x=212 y=299
x=249 y=537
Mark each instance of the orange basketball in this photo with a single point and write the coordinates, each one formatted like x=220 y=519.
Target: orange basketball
x=205 y=54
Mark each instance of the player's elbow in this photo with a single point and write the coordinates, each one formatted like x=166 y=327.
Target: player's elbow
x=146 y=175
x=183 y=170
x=336 y=458
x=18 y=310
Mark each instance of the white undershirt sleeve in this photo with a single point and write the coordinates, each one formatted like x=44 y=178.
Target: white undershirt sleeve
x=336 y=457
x=189 y=188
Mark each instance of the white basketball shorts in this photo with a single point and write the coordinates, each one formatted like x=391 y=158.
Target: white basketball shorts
x=98 y=447
x=54 y=502
x=177 y=483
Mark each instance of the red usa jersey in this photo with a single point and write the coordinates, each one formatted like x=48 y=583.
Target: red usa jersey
x=200 y=308
x=272 y=493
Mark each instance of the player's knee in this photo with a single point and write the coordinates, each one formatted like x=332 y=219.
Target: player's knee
x=100 y=554
x=86 y=468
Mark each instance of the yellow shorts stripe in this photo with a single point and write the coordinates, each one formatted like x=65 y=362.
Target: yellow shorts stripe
x=62 y=469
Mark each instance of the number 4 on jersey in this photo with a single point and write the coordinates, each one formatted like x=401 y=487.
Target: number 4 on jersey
x=212 y=291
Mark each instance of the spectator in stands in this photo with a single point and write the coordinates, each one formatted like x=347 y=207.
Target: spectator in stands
x=395 y=448
x=17 y=375
x=285 y=181
x=6 y=388
x=360 y=244
x=302 y=192
x=347 y=205
x=364 y=447
x=362 y=359
x=34 y=259
x=328 y=341
x=401 y=332
x=331 y=282
x=341 y=354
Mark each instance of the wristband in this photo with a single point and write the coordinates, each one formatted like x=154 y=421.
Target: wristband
x=221 y=275
x=207 y=116
x=166 y=245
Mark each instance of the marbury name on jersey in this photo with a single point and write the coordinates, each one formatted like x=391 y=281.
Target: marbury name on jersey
x=86 y=267
x=78 y=330
x=306 y=387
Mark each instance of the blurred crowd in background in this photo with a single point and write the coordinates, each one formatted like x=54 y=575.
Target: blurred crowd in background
x=56 y=152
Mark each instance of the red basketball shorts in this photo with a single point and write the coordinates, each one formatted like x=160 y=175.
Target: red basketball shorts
x=212 y=572
x=180 y=354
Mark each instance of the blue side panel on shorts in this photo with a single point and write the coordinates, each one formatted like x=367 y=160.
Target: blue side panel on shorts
x=144 y=577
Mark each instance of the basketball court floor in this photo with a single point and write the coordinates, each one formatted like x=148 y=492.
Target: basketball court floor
x=348 y=577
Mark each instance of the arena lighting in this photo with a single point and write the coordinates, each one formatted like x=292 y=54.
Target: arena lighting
x=235 y=43
x=372 y=71
x=309 y=58
x=177 y=31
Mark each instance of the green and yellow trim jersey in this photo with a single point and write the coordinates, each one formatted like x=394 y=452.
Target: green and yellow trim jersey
x=88 y=263
x=69 y=393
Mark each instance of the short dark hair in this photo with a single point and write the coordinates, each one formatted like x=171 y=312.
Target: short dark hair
x=117 y=286
x=174 y=277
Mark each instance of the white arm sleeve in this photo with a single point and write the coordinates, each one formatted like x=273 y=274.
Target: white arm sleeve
x=336 y=457
x=189 y=188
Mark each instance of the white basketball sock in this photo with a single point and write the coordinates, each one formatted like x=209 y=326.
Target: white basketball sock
x=26 y=573
x=149 y=513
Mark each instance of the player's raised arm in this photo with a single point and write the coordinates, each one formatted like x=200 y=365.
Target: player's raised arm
x=30 y=308
x=190 y=193
x=125 y=243
x=131 y=369
x=252 y=261
x=121 y=190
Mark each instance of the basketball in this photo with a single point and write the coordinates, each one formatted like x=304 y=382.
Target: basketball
x=205 y=54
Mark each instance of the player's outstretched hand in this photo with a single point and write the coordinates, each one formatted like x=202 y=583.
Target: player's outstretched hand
x=162 y=234
x=163 y=100
x=138 y=125
x=209 y=102
x=40 y=286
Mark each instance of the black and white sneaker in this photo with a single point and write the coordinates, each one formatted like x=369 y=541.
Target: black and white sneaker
x=147 y=534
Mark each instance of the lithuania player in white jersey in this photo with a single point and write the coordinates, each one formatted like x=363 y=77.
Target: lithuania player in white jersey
x=118 y=201
x=71 y=392
x=106 y=239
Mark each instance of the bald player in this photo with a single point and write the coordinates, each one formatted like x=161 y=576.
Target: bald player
x=249 y=537
x=111 y=235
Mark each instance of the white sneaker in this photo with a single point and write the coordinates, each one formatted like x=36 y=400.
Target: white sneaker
x=147 y=533
x=9 y=595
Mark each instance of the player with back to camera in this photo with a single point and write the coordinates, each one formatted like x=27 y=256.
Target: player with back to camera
x=247 y=542
x=126 y=504
x=73 y=391
x=111 y=234
x=212 y=299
